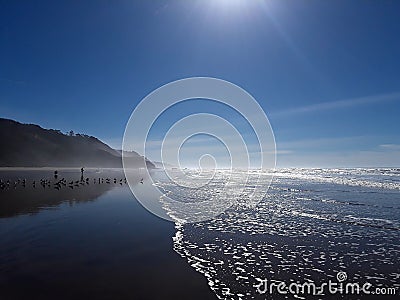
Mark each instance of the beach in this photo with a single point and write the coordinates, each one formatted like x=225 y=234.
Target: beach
x=96 y=240
x=92 y=241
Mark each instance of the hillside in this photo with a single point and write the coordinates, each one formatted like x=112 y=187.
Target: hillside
x=29 y=145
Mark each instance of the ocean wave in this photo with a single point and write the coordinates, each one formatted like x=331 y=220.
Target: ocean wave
x=305 y=228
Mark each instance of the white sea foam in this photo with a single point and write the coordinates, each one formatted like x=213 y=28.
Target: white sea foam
x=310 y=225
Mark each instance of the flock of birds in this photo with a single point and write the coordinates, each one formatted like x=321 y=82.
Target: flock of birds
x=60 y=183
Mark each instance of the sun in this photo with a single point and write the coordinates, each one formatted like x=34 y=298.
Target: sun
x=229 y=3
x=234 y=6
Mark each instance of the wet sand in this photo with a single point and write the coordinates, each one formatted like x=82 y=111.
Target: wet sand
x=91 y=240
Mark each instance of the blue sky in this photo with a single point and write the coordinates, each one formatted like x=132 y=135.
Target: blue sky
x=327 y=73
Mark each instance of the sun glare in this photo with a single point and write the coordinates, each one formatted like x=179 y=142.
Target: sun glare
x=229 y=4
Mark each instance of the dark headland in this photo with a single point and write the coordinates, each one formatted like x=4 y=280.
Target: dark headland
x=29 y=145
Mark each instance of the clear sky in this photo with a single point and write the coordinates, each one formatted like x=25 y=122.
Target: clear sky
x=327 y=73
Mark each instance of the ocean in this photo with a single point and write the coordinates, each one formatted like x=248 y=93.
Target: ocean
x=307 y=229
